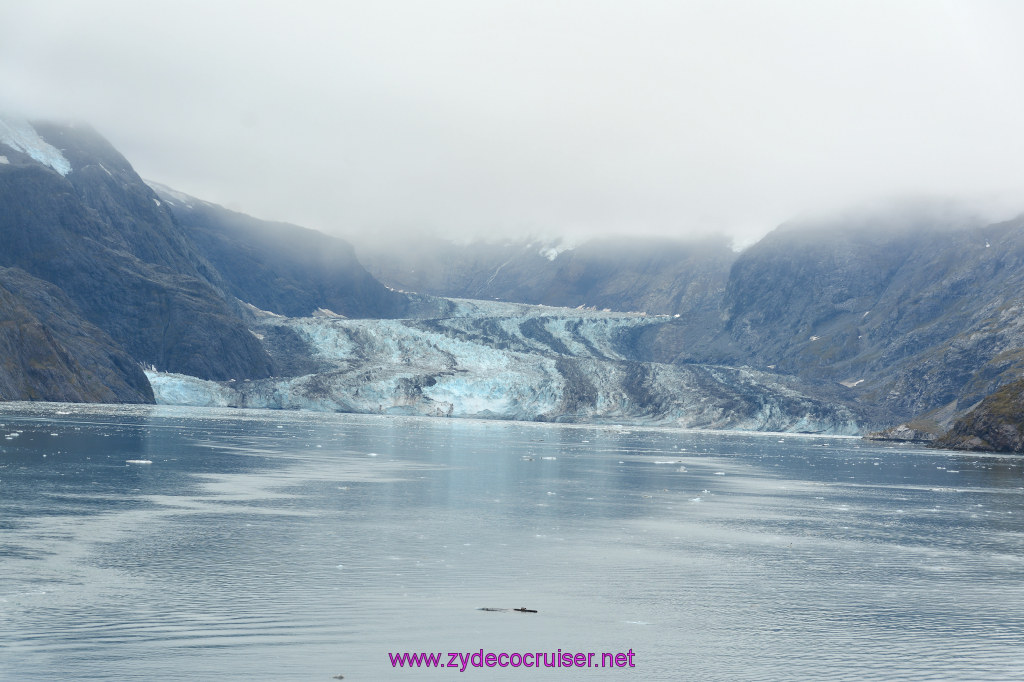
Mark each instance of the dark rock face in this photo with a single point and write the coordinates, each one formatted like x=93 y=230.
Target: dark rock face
x=49 y=352
x=909 y=319
x=286 y=269
x=102 y=236
x=997 y=424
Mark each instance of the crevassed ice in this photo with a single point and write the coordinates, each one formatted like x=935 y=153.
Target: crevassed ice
x=21 y=136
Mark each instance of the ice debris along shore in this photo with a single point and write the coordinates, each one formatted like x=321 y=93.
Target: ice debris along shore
x=506 y=361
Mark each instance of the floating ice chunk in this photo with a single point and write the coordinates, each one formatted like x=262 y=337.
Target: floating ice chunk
x=719 y=473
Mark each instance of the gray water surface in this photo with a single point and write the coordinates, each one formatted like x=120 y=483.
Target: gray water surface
x=263 y=545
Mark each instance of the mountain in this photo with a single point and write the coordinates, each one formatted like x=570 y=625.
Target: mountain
x=286 y=269
x=911 y=319
x=49 y=352
x=908 y=311
x=907 y=318
x=653 y=275
x=166 y=284
x=90 y=226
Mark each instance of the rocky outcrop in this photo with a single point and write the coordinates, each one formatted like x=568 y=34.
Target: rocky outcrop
x=49 y=352
x=908 y=433
x=996 y=424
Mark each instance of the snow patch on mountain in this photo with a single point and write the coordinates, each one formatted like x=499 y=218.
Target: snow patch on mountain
x=21 y=136
x=553 y=251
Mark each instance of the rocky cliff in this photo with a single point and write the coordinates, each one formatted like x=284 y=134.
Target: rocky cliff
x=102 y=236
x=996 y=424
x=282 y=268
x=49 y=352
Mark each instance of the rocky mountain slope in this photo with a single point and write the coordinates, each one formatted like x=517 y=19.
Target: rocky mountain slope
x=102 y=236
x=911 y=320
x=996 y=424
x=158 y=281
x=49 y=352
x=283 y=268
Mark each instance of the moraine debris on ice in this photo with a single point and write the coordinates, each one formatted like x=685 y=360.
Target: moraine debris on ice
x=507 y=361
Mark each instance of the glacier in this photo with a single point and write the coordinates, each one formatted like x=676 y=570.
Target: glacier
x=510 y=361
x=19 y=135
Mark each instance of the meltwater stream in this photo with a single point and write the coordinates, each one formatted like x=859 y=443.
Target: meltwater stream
x=155 y=543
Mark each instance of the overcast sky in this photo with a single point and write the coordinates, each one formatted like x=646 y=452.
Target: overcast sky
x=546 y=117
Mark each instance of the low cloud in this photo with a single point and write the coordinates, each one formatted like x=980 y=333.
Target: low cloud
x=573 y=117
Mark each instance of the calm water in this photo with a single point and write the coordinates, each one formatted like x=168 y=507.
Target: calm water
x=286 y=546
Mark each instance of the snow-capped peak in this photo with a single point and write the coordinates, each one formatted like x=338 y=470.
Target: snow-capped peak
x=19 y=134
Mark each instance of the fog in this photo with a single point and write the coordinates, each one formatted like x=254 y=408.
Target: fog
x=555 y=117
